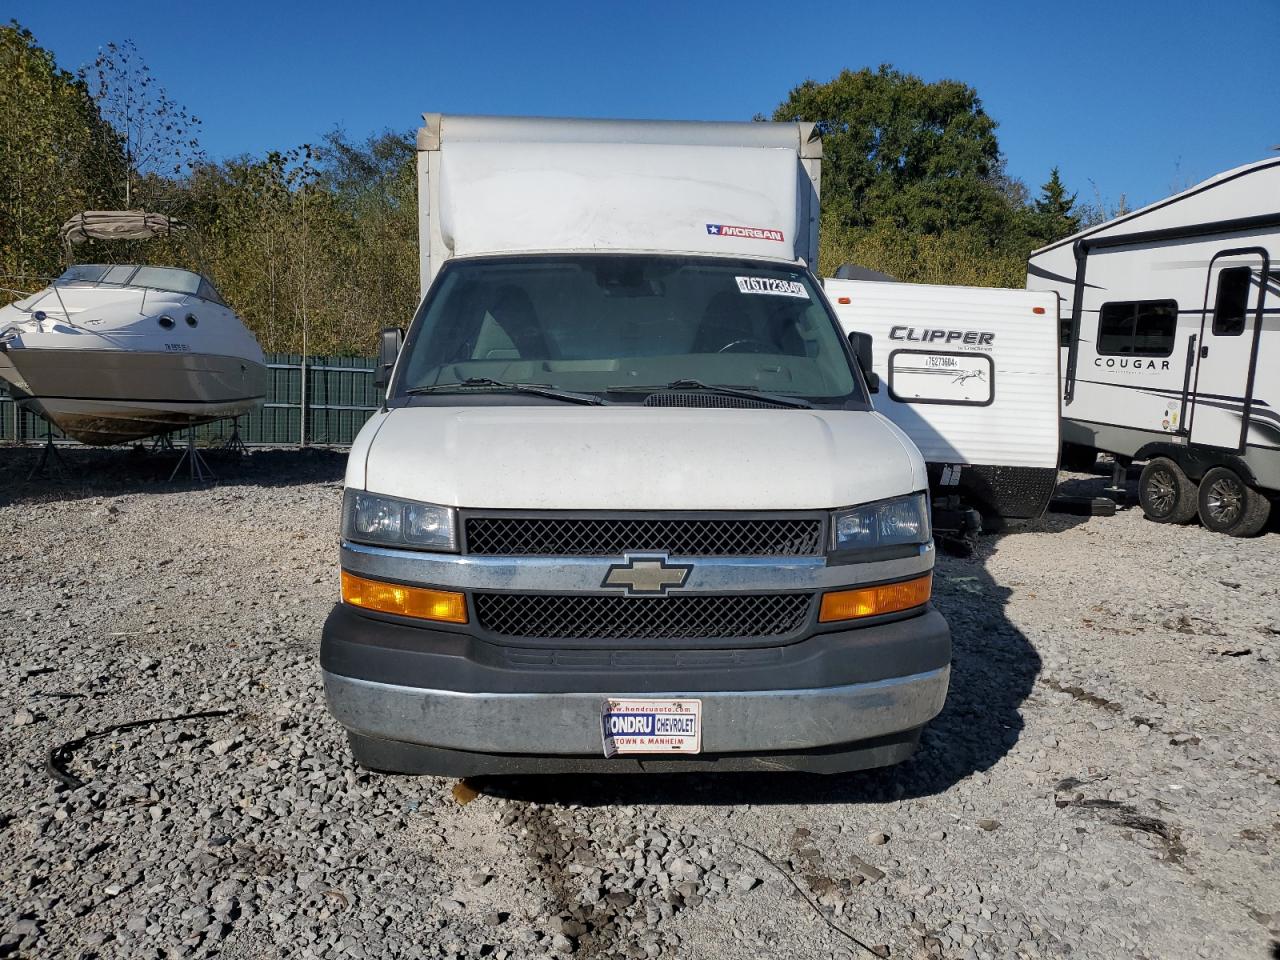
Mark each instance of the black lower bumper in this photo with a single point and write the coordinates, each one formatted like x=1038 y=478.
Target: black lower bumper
x=397 y=756
x=366 y=648
x=422 y=700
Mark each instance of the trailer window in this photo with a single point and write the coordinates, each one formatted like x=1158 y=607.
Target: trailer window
x=1232 y=304
x=1137 y=328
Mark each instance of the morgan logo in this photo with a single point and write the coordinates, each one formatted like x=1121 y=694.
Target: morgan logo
x=647 y=575
x=746 y=233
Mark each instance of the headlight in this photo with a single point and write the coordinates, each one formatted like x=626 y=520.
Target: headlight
x=887 y=523
x=389 y=522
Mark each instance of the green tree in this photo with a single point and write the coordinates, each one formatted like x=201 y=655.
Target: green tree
x=951 y=256
x=1053 y=213
x=159 y=136
x=272 y=239
x=53 y=142
x=922 y=156
x=374 y=185
x=315 y=247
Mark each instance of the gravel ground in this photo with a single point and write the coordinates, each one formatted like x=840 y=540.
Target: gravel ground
x=1104 y=781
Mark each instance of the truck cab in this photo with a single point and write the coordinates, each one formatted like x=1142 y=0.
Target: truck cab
x=627 y=505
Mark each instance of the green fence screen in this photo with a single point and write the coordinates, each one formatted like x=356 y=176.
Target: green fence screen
x=339 y=398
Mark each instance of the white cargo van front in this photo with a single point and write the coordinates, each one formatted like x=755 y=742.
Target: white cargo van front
x=627 y=505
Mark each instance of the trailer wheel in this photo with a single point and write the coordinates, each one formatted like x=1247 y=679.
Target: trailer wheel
x=1079 y=459
x=1229 y=505
x=1165 y=492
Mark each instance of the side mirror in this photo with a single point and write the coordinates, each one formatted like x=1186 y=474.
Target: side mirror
x=862 y=344
x=389 y=342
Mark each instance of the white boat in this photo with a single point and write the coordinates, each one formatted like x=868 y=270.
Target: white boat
x=111 y=353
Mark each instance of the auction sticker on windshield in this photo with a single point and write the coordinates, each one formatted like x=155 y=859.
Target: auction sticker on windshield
x=651 y=726
x=772 y=285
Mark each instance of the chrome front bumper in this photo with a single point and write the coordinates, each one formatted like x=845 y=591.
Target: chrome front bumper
x=568 y=724
x=584 y=574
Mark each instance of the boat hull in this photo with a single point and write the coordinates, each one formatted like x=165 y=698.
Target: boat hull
x=103 y=397
x=10 y=375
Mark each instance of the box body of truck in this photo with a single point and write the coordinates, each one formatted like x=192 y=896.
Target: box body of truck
x=627 y=505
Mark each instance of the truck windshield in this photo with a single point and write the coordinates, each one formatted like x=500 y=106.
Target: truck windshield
x=623 y=325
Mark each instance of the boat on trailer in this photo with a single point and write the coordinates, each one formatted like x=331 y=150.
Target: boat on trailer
x=111 y=353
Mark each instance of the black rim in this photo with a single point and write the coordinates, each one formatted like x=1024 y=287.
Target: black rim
x=1224 y=501
x=1162 y=492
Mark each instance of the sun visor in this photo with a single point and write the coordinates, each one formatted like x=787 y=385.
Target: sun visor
x=520 y=197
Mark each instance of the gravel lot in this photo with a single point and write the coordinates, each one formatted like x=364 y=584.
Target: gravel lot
x=1104 y=781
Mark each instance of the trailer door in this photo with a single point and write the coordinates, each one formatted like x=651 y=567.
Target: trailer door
x=1226 y=358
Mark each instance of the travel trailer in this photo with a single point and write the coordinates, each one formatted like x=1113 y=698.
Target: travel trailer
x=627 y=505
x=1171 y=347
x=970 y=374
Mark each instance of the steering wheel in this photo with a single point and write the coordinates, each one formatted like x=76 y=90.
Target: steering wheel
x=756 y=346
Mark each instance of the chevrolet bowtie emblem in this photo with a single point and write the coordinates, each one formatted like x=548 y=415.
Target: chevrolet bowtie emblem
x=647 y=575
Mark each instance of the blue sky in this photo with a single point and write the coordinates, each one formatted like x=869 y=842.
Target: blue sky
x=1141 y=98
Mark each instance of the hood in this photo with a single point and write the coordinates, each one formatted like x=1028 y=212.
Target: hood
x=634 y=458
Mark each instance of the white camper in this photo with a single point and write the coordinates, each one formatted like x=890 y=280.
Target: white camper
x=626 y=505
x=970 y=374
x=1171 y=347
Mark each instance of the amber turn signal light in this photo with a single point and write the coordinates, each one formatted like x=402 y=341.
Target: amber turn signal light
x=873 y=601
x=440 y=605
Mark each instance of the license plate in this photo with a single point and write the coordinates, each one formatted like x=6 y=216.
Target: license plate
x=651 y=726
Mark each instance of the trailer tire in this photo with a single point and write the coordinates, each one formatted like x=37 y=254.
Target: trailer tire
x=1079 y=459
x=1166 y=493
x=1229 y=505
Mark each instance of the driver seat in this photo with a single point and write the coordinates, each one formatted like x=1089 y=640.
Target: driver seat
x=726 y=318
x=514 y=313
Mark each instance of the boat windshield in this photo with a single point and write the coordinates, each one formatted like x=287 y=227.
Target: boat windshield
x=169 y=279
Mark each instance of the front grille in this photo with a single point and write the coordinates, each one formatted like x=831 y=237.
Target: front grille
x=612 y=537
x=609 y=617
x=639 y=658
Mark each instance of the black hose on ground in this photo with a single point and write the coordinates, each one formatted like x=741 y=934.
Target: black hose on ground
x=58 y=757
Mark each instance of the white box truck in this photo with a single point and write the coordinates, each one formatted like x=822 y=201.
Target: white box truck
x=626 y=505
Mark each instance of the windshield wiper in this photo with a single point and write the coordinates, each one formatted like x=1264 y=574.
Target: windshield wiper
x=481 y=383
x=747 y=393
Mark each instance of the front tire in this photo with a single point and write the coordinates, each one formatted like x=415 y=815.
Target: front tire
x=1166 y=493
x=1229 y=505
